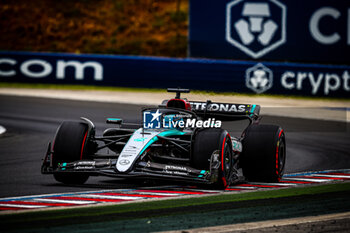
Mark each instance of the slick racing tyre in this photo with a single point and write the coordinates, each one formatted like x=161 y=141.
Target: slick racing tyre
x=70 y=145
x=205 y=143
x=264 y=153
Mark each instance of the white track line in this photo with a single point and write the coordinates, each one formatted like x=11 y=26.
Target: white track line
x=203 y=190
x=316 y=172
x=111 y=197
x=243 y=187
x=273 y=184
x=2 y=130
x=159 y=194
x=64 y=201
x=53 y=195
x=23 y=206
x=307 y=179
x=331 y=176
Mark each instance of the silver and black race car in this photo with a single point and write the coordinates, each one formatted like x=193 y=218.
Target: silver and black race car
x=178 y=140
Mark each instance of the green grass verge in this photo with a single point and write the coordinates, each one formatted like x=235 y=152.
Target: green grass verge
x=95 y=212
x=154 y=90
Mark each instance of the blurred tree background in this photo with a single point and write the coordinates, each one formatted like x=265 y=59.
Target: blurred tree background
x=128 y=27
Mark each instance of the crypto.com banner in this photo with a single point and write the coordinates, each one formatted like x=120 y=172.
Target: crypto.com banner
x=276 y=30
x=159 y=72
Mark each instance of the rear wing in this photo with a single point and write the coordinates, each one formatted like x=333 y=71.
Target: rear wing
x=211 y=109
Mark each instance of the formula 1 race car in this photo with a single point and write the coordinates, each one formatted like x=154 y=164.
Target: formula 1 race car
x=179 y=140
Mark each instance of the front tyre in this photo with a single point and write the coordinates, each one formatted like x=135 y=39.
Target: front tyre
x=264 y=153
x=70 y=145
x=205 y=143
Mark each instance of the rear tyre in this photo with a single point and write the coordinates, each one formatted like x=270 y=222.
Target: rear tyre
x=205 y=143
x=70 y=145
x=264 y=153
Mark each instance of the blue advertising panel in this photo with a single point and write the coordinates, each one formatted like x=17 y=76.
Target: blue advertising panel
x=276 y=30
x=198 y=74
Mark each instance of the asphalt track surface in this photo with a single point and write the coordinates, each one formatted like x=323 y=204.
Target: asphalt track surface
x=31 y=123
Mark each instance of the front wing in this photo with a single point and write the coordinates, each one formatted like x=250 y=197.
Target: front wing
x=141 y=169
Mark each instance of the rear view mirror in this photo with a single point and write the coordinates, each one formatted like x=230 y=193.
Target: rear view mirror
x=117 y=121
